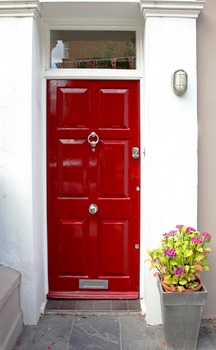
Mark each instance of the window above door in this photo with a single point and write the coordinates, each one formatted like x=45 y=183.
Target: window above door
x=80 y=49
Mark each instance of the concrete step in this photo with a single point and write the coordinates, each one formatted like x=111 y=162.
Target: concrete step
x=10 y=314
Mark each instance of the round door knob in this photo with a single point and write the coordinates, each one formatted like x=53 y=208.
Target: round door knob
x=93 y=208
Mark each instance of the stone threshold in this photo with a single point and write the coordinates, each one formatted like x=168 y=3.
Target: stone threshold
x=93 y=307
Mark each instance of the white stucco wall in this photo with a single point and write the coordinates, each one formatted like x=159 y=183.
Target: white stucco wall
x=20 y=187
x=39 y=170
x=170 y=132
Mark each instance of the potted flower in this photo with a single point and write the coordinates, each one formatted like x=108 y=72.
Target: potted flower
x=178 y=261
x=180 y=257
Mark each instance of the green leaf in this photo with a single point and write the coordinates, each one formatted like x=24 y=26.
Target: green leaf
x=207 y=249
x=179 y=252
x=206 y=268
x=164 y=260
x=184 y=246
x=199 y=257
x=199 y=248
x=187 y=268
x=188 y=253
x=175 y=280
x=182 y=281
x=183 y=230
x=173 y=262
x=149 y=252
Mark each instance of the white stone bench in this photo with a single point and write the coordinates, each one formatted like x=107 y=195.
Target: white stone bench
x=10 y=314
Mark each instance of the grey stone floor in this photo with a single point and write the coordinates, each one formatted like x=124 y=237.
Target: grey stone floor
x=67 y=332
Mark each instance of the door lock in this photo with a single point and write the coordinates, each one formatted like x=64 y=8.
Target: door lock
x=135 y=152
x=93 y=208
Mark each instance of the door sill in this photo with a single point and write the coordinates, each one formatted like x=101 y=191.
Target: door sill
x=92 y=295
x=93 y=307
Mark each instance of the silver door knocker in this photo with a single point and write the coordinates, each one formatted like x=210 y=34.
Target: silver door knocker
x=93 y=140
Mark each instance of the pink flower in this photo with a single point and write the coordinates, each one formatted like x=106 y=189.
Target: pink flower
x=196 y=240
x=179 y=226
x=190 y=229
x=170 y=252
x=206 y=235
x=169 y=234
x=179 y=271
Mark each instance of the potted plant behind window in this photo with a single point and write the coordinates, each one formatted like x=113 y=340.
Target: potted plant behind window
x=179 y=259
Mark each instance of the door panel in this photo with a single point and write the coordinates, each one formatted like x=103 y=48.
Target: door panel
x=112 y=174
x=72 y=168
x=73 y=258
x=73 y=107
x=113 y=108
x=113 y=231
x=93 y=255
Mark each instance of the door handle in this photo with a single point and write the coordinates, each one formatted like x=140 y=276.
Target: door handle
x=93 y=208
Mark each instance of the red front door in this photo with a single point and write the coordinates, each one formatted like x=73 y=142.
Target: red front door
x=93 y=188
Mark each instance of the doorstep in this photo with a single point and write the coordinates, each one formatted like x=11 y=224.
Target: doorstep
x=10 y=314
x=93 y=307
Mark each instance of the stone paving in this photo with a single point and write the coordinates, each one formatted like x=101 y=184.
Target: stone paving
x=129 y=332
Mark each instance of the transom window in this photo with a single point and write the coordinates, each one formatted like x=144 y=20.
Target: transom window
x=93 y=49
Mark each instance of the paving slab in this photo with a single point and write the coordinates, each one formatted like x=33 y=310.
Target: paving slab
x=66 y=332
x=129 y=332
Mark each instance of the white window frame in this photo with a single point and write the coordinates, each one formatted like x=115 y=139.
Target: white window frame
x=98 y=73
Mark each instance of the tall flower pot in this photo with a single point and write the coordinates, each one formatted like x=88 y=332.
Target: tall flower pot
x=181 y=316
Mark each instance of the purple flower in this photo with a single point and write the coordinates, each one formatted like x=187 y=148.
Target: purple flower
x=179 y=271
x=179 y=226
x=190 y=229
x=170 y=252
x=206 y=235
x=196 y=240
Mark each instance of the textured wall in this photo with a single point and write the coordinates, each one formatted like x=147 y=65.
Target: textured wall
x=207 y=139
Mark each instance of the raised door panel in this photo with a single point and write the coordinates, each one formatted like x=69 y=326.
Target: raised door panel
x=113 y=248
x=113 y=169
x=73 y=169
x=73 y=247
x=73 y=107
x=113 y=108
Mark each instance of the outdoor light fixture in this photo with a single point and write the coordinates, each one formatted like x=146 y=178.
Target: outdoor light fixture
x=179 y=82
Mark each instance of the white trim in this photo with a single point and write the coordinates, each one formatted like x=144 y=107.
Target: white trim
x=168 y=8
x=89 y=1
x=93 y=74
x=171 y=8
x=110 y=74
x=21 y=8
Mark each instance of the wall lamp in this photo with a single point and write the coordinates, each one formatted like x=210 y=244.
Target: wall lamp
x=179 y=82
